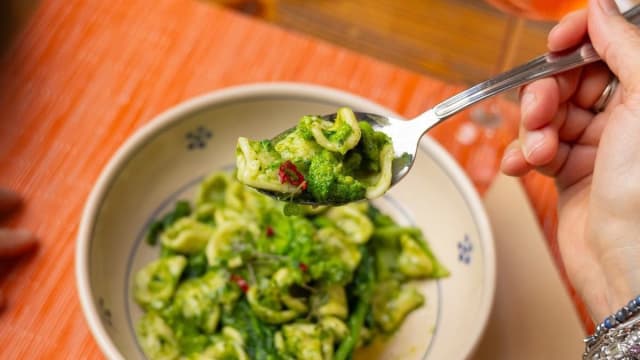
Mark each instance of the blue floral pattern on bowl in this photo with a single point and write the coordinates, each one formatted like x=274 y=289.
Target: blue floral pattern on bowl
x=464 y=250
x=104 y=310
x=198 y=138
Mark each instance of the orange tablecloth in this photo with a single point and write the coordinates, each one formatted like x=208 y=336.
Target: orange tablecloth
x=83 y=75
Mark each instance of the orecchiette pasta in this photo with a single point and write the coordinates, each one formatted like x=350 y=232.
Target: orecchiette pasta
x=239 y=279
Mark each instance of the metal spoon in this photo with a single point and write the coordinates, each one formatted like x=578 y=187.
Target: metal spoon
x=406 y=135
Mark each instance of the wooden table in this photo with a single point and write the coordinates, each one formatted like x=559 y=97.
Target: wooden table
x=81 y=76
x=456 y=40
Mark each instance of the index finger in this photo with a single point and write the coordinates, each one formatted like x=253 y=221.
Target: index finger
x=540 y=100
x=569 y=32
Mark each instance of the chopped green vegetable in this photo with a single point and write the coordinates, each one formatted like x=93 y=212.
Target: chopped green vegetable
x=327 y=183
x=362 y=290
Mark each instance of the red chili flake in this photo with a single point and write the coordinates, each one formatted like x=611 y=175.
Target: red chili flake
x=303 y=186
x=303 y=266
x=270 y=231
x=289 y=173
x=241 y=282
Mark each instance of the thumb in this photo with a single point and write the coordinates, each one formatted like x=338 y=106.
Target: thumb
x=616 y=40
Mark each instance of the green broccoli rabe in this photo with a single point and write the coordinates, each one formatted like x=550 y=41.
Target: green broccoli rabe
x=327 y=183
x=258 y=335
x=360 y=293
x=370 y=145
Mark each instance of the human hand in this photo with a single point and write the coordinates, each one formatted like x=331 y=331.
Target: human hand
x=13 y=242
x=594 y=157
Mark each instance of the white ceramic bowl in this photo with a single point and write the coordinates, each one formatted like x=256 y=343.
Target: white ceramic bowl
x=165 y=160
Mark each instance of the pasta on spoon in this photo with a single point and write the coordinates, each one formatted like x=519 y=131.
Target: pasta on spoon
x=319 y=161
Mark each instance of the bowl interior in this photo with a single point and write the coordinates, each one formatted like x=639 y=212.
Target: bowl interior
x=166 y=161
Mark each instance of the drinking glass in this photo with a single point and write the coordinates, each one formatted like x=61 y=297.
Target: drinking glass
x=538 y=9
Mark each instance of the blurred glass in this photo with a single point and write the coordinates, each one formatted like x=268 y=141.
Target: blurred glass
x=538 y=9
x=488 y=116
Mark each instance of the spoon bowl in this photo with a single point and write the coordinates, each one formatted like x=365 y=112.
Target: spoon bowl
x=404 y=135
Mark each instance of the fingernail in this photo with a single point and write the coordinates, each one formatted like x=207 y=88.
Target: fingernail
x=528 y=101
x=509 y=153
x=609 y=7
x=532 y=141
x=553 y=30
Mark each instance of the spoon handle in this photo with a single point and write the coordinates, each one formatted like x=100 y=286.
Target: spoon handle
x=540 y=67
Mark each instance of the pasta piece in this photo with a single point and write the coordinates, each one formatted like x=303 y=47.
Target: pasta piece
x=155 y=284
x=352 y=221
x=217 y=288
x=156 y=337
x=232 y=335
x=381 y=182
x=212 y=189
x=295 y=304
x=245 y=201
x=413 y=262
x=340 y=136
x=392 y=303
x=186 y=236
x=223 y=239
x=336 y=244
x=256 y=169
x=267 y=314
x=335 y=326
x=330 y=301
x=196 y=305
x=305 y=341
x=285 y=277
x=222 y=347
x=223 y=216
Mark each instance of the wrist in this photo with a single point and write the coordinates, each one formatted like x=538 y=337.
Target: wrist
x=616 y=248
x=622 y=275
